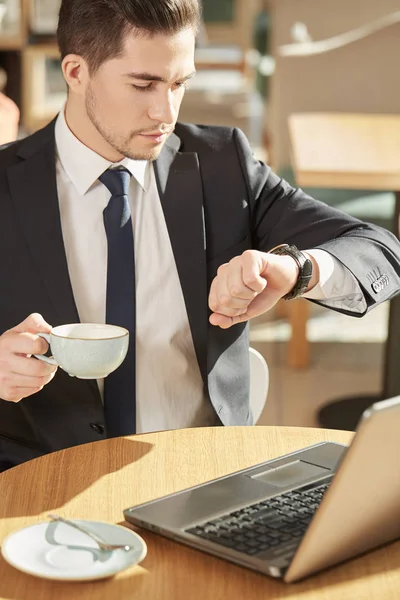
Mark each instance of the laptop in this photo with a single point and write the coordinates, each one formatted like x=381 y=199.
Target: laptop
x=298 y=514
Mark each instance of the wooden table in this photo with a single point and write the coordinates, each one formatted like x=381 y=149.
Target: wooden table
x=350 y=151
x=99 y=480
x=353 y=151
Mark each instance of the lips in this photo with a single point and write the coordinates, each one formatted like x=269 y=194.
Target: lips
x=158 y=136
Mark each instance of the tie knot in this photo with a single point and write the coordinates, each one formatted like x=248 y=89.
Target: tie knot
x=116 y=181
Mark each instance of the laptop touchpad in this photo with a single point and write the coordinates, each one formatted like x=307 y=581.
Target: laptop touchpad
x=291 y=474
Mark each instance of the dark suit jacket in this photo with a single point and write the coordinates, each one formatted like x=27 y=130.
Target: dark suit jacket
x=217 y=201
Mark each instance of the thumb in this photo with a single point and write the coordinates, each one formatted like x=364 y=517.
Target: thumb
x=33 y=324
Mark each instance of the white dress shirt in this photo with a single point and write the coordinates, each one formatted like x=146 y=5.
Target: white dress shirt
x=169 y=386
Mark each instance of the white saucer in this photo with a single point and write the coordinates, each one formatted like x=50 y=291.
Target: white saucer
x=56 y=551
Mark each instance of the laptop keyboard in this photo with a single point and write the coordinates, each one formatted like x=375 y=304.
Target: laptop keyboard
x=278 y=521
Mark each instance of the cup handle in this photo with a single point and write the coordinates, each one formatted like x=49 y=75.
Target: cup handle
x=48 y=359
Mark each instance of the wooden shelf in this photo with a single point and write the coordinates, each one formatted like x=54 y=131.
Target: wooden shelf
x=11 y=43
x=38 y=110
x=18 y=39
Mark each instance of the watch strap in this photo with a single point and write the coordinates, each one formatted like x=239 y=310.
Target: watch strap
x=305 y=268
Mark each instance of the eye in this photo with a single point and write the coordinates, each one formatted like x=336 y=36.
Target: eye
x=181 y=85
x=150 y=86
x=143 y=88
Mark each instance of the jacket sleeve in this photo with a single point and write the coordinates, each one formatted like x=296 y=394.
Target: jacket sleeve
x=282 y=214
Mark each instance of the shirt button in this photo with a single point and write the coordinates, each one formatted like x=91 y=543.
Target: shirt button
x=97 y=428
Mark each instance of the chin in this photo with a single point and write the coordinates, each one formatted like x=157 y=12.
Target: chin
x=143 y=154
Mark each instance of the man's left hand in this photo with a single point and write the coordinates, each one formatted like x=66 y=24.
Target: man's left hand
x=250 y=285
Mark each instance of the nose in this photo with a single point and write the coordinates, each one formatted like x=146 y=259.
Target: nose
x=164 y=108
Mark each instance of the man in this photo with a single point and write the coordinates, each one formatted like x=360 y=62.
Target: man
x=201 y=216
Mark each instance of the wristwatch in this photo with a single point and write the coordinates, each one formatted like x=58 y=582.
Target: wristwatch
x=305 y=269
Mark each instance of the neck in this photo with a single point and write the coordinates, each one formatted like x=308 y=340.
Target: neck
x=84 y=130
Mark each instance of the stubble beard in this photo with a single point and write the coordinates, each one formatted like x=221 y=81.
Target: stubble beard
x=120 y=145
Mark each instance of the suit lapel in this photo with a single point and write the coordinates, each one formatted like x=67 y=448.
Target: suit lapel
x=33 y=181
x=34 y=192
x=33 y=185
x=180 y=189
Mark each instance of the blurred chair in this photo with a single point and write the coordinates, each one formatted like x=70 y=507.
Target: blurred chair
x=348 y=67
x=349 y=161
x=350 y=72
x=230 y=22
x=355 y=152
x=224 y=92
x=259 y=383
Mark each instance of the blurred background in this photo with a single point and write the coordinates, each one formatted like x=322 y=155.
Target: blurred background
x=314 y=84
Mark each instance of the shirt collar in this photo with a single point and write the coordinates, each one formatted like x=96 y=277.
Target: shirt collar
x=84 y=166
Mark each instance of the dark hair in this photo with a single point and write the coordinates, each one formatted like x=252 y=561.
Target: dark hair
x=95 y=29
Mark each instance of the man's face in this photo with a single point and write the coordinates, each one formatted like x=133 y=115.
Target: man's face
x=133 y=101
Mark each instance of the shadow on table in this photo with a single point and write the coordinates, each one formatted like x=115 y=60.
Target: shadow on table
x=54 y=479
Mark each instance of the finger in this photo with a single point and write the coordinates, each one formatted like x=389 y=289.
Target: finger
x=16 y=394
x=225 y=322
x=213 y=298
x=253 y=264
x=260 y=305
x=21 y=365
x=237 y=288
x=16 y=387
x=27 y=381
x=229 y=306
x=218 y=293
x=33 y=324
x=221 y=300
x=24 y=343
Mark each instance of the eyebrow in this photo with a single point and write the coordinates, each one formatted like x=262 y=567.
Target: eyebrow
x=150 y=77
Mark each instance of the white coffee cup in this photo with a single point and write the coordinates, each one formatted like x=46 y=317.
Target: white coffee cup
x=86 y=350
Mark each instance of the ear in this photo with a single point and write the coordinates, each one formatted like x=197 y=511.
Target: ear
x=76 y=73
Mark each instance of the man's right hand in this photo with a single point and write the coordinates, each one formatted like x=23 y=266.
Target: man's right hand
x=20 y=375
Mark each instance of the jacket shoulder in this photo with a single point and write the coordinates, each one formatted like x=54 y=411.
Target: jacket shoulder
x=9 y=153
x=203 y=138
x=25 y=147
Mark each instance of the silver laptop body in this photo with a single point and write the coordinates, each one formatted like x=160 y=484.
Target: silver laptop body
x=297 y=514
